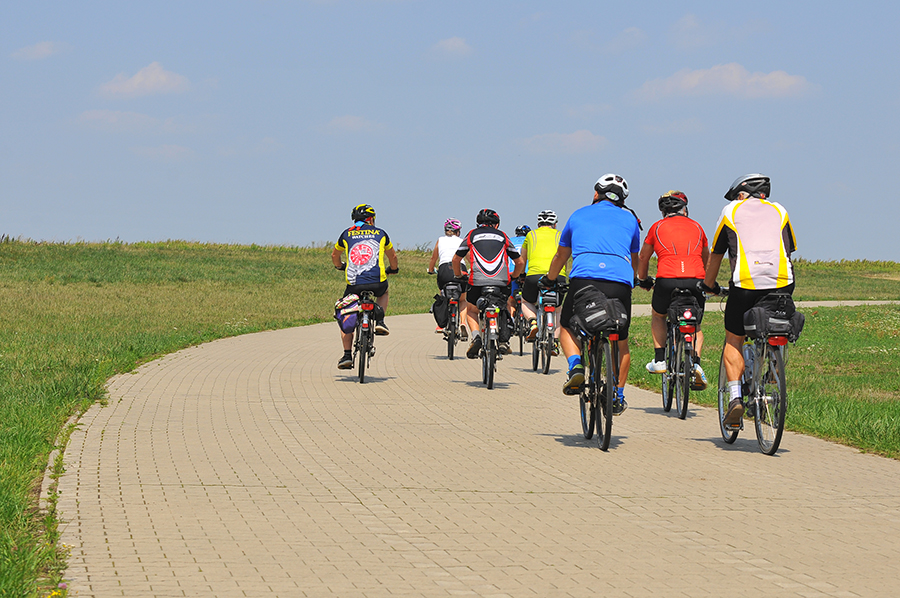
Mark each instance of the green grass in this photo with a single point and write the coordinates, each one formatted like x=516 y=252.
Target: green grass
x=72 y=315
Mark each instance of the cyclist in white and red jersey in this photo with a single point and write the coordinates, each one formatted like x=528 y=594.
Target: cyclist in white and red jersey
x=442 y=257
x=361 y=251
x=488 y=248
x=758 y=236
x=681 y=250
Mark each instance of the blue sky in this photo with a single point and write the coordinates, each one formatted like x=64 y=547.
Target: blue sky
x=266 y=121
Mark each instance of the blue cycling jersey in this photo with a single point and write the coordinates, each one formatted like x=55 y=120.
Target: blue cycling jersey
x=602 y=238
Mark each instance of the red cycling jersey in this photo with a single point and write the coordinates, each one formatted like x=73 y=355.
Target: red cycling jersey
x=678 y=242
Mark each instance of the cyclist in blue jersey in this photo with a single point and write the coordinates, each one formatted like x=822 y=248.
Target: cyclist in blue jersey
x=361 y=251
x=603 y=240
x=517 y=242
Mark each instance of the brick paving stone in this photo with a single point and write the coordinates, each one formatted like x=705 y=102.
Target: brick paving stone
x=251 y=466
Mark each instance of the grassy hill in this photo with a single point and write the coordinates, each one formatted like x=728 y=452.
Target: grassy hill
x=72 y=315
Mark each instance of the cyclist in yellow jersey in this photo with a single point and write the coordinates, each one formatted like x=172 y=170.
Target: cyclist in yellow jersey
x=538 y=250
x=758 y=236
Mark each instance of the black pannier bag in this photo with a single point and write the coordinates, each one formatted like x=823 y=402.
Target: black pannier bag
x=441 y=310
x=774 y=315
x=593 y=312
x=682 y=303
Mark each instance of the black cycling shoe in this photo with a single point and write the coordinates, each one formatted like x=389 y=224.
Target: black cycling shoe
x=619 y=406
x=474 y=350
x=345 y=363
x=381 y=329
x=575 y=384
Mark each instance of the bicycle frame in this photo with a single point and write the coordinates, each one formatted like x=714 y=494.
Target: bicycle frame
x=489 y=306
x=364 y=343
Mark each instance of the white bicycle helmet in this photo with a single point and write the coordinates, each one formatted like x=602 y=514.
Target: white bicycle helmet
x=547 y=217
x=612 y=187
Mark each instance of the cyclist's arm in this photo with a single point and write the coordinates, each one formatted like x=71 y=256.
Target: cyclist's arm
x=434 y=258
x=634 y=263
x=559 y=260
x=391 y=255
x=520 y=265
x=336 y=256
x=524 y=253
x=712 y=268
x=643 y=261
x=457 y=268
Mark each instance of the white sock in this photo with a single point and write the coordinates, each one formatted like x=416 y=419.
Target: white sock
x=734 y=389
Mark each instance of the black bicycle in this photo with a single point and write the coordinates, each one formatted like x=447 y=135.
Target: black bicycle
x=520 y=324
x=681 y=327
x=545 y=340
x=452 y=291
x=600 y=356
x=763 y=385
x=490 y=304
x=364 y=339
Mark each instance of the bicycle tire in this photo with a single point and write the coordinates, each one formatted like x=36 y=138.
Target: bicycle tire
x=668 y=378
x=685 y=375
x=484 y=357
x=491 y=351
x=451 y=334
x=608 y=370
x=586 y=399
x=536 y=352
x=546 y=352
x=729 y=435
x=771 y=402
x=520 y=329
x=363 y=351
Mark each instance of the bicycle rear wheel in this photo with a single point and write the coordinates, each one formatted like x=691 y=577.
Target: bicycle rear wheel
x=452 y=332
x=490 y=359
x=587 y=398
x=520 y=329
x=606 y=393
x=362 y=352
x=668 y=377
x=771 y=402
x=536 y=350
x=729 y=435
x=685 y=375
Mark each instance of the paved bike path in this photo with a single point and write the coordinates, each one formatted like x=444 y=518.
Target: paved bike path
x=252 y=467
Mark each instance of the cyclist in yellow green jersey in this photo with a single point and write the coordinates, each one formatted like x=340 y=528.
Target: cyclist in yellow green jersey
x=538 y=250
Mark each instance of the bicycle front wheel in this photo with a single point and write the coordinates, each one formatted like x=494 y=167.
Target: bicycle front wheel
x=729 y=435
x=685 y=375
x=771 y=402
x=606 y=368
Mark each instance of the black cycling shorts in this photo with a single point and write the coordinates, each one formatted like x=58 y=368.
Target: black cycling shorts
x=474 y=293
x=740 y=301
x=617 y=290
x=445 y=275
x=379 y=288
x=530 y=288
x=662 y=292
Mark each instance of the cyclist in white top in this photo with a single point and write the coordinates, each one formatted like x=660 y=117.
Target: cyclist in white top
x=442 y=256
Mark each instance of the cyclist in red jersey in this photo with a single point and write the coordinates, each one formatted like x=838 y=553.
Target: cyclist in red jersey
x=682 y=249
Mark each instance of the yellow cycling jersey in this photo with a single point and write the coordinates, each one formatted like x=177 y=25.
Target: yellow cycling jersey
x=759 y=238
x=540 y=246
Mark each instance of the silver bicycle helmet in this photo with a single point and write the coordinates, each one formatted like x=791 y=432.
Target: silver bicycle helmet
x=756 y=185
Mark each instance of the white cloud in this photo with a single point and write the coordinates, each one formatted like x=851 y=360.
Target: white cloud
x=151 y=79
x=165 y=153
x=353 y=124
x=725 y=79
x=579 y=142
x=688 y=33
x=117 y=121
x=454 y=47
x=37 y=51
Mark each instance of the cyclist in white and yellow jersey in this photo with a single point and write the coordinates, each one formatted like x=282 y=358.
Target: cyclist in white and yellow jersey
x=758 y=236
x=538 y=250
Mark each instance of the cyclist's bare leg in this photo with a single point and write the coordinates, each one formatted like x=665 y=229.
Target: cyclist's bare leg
x=658 y=330
x=383 y=301
x=569 y=343
x=698 y=342
x=472 y=318
x=463 y=309
x=347 y=340
x=733 y=357
x=529 y=310
x=624 y=362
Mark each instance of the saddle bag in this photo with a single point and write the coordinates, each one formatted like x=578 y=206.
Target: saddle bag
x=593 y=312
x=346 y=311
x=774 y=315
x=685 y=308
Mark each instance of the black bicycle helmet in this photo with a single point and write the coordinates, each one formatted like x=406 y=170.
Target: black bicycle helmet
x=756 y=185
x=612 y=187
x=362 y=212
x=488 y=217
x=523 y=230
x=672 y=202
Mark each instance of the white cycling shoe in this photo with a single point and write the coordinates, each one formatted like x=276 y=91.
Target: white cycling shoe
x=656 y=367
